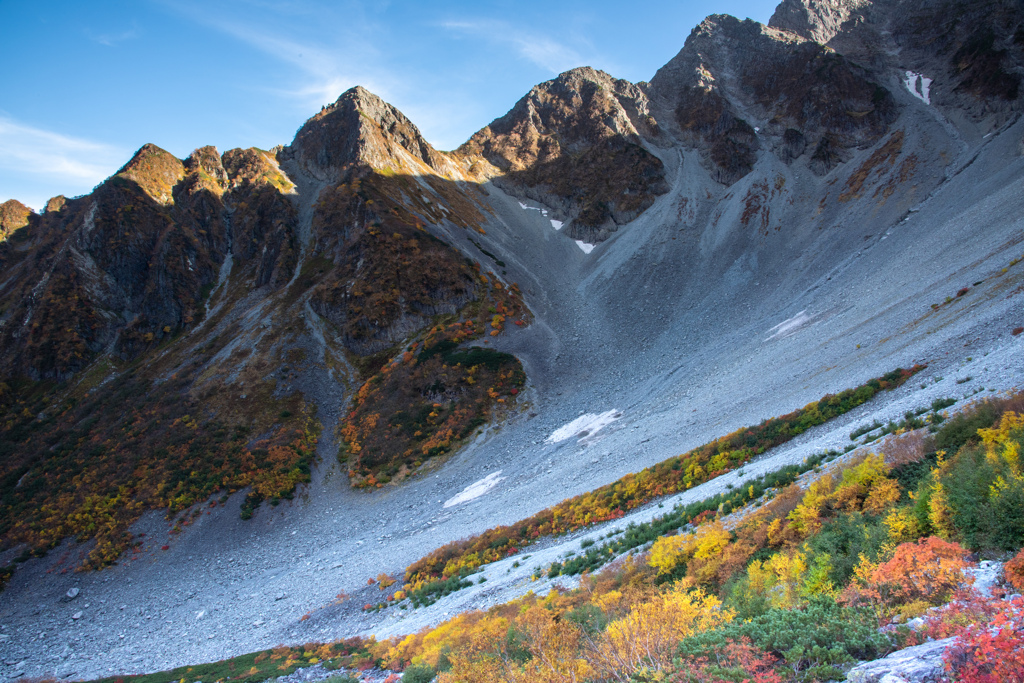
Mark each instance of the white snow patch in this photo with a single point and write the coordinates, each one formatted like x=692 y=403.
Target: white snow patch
x=557 y=225
x=587 y=248
x=788 y=327
x=531 y=208
x=475 y=490
x=912 y=81
x=584 y=426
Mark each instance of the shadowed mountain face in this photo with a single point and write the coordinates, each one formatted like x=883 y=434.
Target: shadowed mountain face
x=575 y=143
x=397 y=302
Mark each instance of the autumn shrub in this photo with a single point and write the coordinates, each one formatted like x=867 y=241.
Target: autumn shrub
x=903 y=449
x=1014 y=571
x=929 y=570
x=990 y=651
x=648 y=635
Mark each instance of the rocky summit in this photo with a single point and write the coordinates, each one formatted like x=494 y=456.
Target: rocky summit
x=235 y=386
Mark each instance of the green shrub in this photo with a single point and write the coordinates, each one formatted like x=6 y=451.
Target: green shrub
x=844 y=539
x=812 y=642
x=418 y=673
x=964 y=427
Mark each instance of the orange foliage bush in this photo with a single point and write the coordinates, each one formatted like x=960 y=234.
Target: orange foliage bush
x=990 y=651
x=929 y=571
x=1014 y=571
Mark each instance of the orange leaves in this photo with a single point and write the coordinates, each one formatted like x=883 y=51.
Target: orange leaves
x=929 y=570
x=1014 y=571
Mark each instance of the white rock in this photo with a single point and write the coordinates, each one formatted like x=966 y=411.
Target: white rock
x=918 y=664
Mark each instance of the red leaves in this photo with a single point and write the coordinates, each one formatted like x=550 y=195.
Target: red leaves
x=990 y=653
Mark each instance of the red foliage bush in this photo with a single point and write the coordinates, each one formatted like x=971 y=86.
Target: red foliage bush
x=990 y=652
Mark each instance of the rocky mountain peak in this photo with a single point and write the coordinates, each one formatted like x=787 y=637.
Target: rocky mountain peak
x=575 y=143
x=738 y=87
x=580 y=106
x=206 y=162
x=54 y=204
x=817 y=20
x=13 y=215
x=155 y=170
x=362 y=129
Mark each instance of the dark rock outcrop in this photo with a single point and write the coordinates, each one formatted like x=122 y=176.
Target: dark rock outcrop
x=575 y=143
x=738 y=87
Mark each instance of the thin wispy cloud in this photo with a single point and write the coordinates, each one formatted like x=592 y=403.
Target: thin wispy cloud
x=33 y=150
x=112 y=39
x=328 y=66
x=547 y=53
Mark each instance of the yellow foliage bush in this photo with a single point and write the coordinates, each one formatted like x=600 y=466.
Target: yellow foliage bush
x=649 y=634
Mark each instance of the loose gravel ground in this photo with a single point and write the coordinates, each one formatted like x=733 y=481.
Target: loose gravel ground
x=688 y=322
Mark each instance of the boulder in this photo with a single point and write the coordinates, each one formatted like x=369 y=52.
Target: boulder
x=918 y=664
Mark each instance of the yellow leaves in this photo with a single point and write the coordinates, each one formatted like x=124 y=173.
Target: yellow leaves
x=710 y=539
x=902 y=525
x=666 y=553
x=707 y=543
x=883 y=494
x=1003 y=441
x=779 y=578
x=868 y=471
x=648 y=635
x=940 y=514
x=805 y=516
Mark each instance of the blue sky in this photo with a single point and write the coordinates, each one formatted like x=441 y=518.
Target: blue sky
x=86 y=83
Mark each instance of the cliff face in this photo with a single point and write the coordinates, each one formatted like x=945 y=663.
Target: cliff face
x=972 y=52
x=738 y=88
x=129 y=265
x=575 y=143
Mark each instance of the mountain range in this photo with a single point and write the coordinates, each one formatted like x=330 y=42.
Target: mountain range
x=348 y=330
